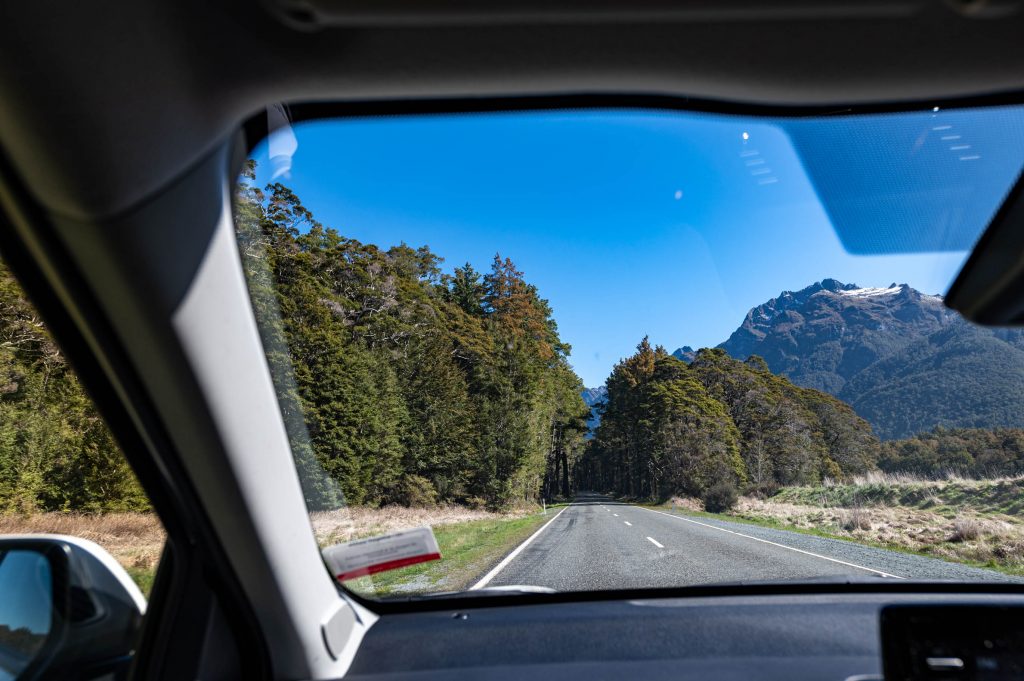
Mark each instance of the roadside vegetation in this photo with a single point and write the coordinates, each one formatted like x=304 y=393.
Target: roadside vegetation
x=672 y=427
x=976 y=453
x=55 y=451
x=400 y=383
x=134 y=539
x=471 y=540
x=469 y=549
x=979 y=522
x=420 y=398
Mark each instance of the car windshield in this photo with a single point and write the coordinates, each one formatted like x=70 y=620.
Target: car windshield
x=574 y=350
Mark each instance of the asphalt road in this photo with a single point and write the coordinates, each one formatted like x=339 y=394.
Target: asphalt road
x=599 y=543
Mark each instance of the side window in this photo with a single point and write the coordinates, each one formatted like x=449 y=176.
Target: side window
x=61 y=471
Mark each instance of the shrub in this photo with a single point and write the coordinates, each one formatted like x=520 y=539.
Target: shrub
x=720 y=497
x=475 y=503
x=417 y=491
x=856 y=519
x=965 y=529
x=768 y=488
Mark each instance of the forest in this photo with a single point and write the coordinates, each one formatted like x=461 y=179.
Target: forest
x=56 y=453
x=966 y=452
x=402 y=384
x=672 y=427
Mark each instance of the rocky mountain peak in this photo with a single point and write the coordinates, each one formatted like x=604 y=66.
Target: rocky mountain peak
x=879 y=348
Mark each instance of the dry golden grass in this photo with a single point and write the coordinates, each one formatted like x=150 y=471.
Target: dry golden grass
x=137 y=539
x=856 y=519
x=134 y=539
x=883 y=478
x=972 y=536
x=966 y=529
x=333 y=527
x=686 y=503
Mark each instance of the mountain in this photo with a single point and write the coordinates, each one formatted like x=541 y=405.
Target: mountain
x=904 y=361
x=824 y=335
x=685 y=353
x=963 y=376
x=593 y=397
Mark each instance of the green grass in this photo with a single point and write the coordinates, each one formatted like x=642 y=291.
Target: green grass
x=468 y=551
x=143 y=577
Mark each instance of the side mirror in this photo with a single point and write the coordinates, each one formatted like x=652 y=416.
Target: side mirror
x=68 y=610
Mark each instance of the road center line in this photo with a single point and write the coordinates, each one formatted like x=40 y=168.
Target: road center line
x=615 y=514
x=781 y=546
x=515 y=552
x=660 y=546
x=628 y=523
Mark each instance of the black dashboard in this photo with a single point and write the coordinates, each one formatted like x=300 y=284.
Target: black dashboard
x=784 y=637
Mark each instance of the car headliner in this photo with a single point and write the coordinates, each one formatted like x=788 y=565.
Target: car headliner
x=179 y=77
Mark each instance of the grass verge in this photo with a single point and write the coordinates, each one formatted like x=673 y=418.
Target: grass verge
x=469 y=538
x=143 y=577
x=468 y=549
x=993 y=545
x=135 y=540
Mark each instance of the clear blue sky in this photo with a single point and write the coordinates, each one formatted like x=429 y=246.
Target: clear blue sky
x=630 y=223
x=27 y=589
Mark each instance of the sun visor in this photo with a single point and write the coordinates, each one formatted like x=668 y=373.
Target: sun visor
x=920 y=182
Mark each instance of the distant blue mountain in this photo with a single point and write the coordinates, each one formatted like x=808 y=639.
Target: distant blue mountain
x=594 y=397
x=685 y=353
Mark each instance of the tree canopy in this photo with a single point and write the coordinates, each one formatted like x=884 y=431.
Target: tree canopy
x=669 y=427
x=404 y=384
x=968 y=452
x=55 y=451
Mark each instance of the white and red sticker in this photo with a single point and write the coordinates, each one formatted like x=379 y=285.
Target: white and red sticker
x=378 y=554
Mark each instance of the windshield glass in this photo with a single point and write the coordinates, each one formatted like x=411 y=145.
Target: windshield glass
x=615 y=349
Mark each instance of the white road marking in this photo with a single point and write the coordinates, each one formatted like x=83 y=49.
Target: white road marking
x=628 y=523
x=781 y=546
x=660 y=546
x=615 y=514
x=508 y=559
